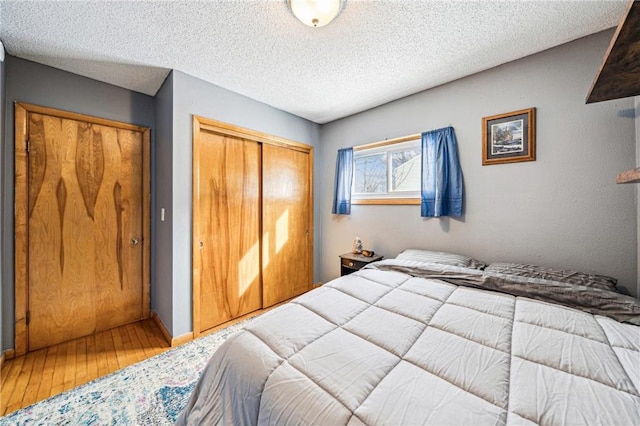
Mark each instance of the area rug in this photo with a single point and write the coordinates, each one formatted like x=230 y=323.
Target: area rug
x=151 y=392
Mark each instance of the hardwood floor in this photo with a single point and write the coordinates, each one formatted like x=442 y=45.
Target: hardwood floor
x=49 y=371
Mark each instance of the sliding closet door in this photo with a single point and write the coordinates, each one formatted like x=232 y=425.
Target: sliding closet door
x=226 y=227
x=286 y=223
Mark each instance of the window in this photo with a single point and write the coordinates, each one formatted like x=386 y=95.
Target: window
x=388 y=172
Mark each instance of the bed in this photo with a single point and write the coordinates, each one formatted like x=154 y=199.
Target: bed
x=417 y=340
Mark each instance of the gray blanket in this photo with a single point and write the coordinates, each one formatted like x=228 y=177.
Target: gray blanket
x=590 y=299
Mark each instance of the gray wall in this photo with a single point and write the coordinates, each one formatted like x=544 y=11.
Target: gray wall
x=194 y=96
x=637 y=114
x=563 y=210
x=3 y=249
x=42 y=85
x=162 y=231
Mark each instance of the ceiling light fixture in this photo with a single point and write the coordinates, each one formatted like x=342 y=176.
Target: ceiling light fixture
x=316 y=13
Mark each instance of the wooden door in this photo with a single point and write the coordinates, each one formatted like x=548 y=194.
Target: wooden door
x=286 y=225
x=226 y=228
x=87 y=210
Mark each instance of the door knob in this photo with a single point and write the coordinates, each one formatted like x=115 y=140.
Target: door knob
x=135 y=241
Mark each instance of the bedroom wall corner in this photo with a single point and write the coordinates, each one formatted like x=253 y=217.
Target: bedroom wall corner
x=192 y=96
x=161 y=185
x=562 y=210
x=39 y=84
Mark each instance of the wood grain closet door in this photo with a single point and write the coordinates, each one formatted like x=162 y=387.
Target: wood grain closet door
x=84 y=228
x=286 y=204
x=228 y=216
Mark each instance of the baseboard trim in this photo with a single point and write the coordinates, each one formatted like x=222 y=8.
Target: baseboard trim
x=163 y=329
x=181 y=340
x=172 y=341
x=6 y=356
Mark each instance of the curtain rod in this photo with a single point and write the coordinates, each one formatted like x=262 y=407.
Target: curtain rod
x=388 y=142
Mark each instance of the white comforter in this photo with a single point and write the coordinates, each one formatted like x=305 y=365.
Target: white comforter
x=381 y=347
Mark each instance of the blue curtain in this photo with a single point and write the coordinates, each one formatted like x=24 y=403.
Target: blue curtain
x=441 y=174
x=344 y=177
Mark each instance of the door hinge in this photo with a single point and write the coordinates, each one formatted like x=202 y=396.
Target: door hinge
x=28 y=146
x=28 y=319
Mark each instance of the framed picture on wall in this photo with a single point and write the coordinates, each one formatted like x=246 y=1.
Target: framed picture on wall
x=509 y=138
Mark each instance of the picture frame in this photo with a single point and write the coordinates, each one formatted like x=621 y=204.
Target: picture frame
x=509 y=137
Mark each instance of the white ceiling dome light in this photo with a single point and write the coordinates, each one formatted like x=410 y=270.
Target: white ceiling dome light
x=316 y=13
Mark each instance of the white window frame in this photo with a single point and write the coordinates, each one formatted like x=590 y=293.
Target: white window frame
x=390 y=197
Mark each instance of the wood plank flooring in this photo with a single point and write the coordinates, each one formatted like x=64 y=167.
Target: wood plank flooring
x=49 y=371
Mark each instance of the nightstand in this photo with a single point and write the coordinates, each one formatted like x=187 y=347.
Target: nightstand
x=350 y=262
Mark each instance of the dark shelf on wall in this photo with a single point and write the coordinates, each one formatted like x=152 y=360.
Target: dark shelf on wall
x=630 y=176
x=619 y=74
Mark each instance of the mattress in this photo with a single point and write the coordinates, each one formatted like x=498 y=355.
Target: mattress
x=382 y=346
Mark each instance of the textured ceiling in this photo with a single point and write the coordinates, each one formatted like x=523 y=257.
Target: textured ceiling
x=374 y=52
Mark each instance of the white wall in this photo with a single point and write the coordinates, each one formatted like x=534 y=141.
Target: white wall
x=563 y=210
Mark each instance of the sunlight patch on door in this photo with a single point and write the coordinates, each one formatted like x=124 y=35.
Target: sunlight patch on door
x=282 y=230
x=248 y=268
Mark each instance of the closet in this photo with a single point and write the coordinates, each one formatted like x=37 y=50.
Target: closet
x=252 y=221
